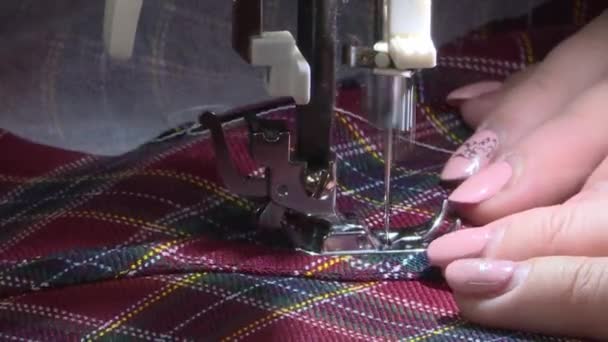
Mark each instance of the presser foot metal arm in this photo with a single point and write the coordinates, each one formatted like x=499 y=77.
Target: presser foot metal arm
x=301 y=206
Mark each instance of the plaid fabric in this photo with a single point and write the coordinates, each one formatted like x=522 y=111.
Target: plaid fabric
x=150 y=246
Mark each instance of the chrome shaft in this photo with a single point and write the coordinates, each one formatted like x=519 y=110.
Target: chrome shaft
x=388 y=166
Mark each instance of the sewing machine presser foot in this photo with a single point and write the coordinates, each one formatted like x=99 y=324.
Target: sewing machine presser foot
x=299 y=205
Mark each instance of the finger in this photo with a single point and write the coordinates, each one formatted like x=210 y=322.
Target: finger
x=547 y=167
x=542 y=94
x=566 y=230
x=596 y=185
x=477 y=101
x=563 y=296
x=598 y=177
x=476 y=111
x=472 y=91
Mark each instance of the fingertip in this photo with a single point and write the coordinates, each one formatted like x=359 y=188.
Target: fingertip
x=479 y=311
x=490 y=295
x=483 y=185
x=465 y=243
x=474 y=154
x=552 y=295
x=476 y=111
x=458 y=170
x=471 y=91
x=481 y=278
x=482 y=214
x=494 y=192
x=475 y=214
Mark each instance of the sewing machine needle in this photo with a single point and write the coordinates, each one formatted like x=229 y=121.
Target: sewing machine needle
x=388 y=157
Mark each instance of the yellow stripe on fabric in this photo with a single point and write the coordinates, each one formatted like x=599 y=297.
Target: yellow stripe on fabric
x=203 y=183
x=125 y=220
x=154 y=251
x=360 y=138
x=295 y=307
x=328 y=264
x=436 y=332
x=367 y=145
x=528 y=48
x=380 y=203
x=124 y=317
x=440 y=126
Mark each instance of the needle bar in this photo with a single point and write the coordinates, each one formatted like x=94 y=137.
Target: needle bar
x=388 y=166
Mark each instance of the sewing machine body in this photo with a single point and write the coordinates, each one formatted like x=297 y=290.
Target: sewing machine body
x=297 y=190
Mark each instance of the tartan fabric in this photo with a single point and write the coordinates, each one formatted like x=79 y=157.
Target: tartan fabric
x=149 y=245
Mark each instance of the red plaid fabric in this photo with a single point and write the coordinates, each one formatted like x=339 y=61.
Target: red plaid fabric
x=150 y=246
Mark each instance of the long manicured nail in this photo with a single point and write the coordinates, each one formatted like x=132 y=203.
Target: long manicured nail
x=477 y=277
x=484 y=185
x=471 y=157
x=472 y=91
x=466 y=243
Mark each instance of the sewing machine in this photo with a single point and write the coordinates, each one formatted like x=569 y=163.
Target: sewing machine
x=297 y=192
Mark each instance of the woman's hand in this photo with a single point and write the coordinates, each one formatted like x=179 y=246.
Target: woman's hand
x=536 y=182
x=543 y=270
x=539 y=136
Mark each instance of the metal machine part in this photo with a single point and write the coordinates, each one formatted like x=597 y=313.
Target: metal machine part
x=403 y=46
x=298 y=189
x=400 y=49
x=306 y=215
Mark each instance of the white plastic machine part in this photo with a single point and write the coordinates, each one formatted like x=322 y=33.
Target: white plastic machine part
x=410 y=43
x=289 y=72
x=120 y=26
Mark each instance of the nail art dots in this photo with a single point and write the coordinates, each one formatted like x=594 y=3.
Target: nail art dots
x=471 y=157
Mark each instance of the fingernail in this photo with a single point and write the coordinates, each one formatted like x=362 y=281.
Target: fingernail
x=484 y=185
x=466 y=243
x=471 y=157
x=472 y=91
x=478 y=277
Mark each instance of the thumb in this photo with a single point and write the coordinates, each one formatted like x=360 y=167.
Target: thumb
x=553 y=295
